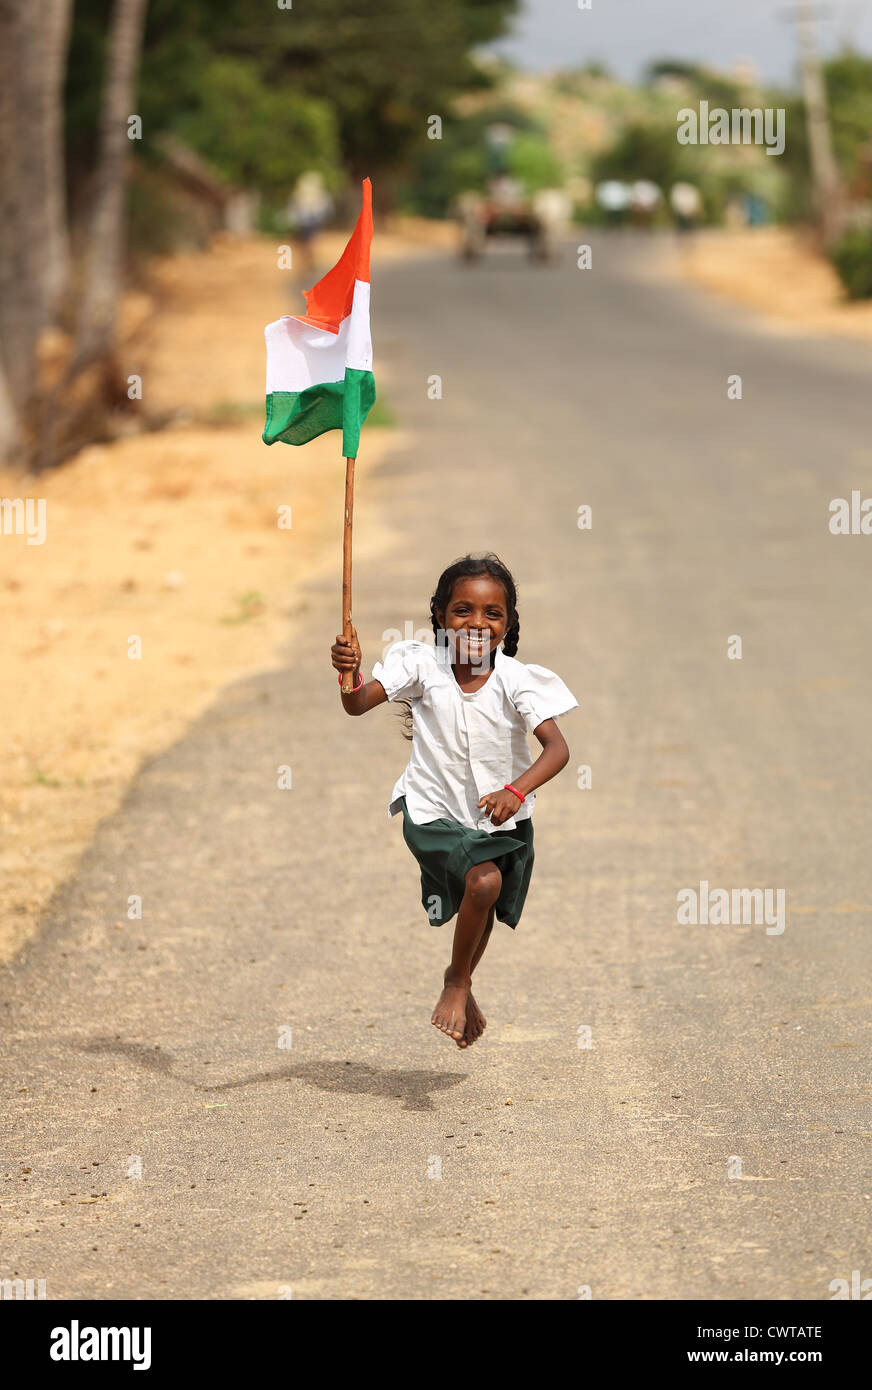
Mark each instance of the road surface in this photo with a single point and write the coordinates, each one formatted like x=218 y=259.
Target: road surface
x=712 y=1141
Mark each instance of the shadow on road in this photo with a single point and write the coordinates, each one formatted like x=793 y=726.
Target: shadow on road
x=413 y=1088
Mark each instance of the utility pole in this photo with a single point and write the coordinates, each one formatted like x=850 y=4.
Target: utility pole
x=824 y=170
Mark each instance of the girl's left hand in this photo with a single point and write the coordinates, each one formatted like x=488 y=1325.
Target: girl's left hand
x=500 y=805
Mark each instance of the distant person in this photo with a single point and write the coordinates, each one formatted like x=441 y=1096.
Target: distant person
x=756 y=210
x=308 y=208
x=614 y=198
x=467 y=793
x=686 y=206
x=506 y=192
x=645 y=199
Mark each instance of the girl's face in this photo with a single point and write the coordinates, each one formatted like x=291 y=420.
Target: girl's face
x=478 y=613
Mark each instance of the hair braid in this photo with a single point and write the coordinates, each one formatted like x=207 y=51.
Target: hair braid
x=510 y=641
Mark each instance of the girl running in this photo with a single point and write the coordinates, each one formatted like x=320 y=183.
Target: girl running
x=467 y=792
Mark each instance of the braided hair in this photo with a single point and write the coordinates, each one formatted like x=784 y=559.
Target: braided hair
x=470 y=567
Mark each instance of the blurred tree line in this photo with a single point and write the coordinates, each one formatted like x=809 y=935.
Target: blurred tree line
x=584 y=127
x=646 y=146
x=781 y=188
x=259 y=94
x=263 y=94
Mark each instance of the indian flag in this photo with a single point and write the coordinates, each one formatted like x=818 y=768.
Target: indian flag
x=319 y=364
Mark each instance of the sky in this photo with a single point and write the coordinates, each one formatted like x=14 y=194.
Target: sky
x=628 y=34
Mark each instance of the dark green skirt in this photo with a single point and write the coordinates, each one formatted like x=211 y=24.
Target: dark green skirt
x=447 y=851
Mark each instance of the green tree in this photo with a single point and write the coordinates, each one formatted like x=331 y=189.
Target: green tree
x=644 y=150
x=463 y=159
x=534 y=163
x=849 y=90
x=387 y=67
x=258 y=136
x=707 y=85
x=848 y=81
x=381 y=68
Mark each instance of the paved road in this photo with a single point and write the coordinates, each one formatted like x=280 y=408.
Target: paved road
x=561 y=1166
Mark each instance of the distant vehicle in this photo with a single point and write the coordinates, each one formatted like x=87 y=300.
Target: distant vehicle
x=504 y=209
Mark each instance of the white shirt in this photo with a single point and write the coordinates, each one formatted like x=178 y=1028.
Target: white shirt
x=466 y=745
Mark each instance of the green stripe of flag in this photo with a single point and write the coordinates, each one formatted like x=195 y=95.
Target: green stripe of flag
x=295 y=417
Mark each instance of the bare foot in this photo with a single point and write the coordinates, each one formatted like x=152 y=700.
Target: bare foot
x=475 y=1023
x=449 y=1016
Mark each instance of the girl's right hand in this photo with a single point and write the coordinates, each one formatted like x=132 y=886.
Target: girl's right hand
x=345 y=653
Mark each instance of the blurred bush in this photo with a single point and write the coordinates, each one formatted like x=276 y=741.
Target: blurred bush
x=852 y=258
x=533 y=161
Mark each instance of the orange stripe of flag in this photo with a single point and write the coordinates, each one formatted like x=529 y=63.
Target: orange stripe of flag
x=329 y=302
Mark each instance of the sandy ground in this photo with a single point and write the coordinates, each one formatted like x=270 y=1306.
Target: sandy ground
x=777 y=272
x=171 y=537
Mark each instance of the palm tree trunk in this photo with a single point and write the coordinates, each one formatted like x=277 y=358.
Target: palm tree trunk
x=33 y=258
x=57 y=42
x=95 y=329
x=10 y=429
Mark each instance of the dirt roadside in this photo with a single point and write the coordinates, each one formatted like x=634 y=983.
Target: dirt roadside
x=172 y=538
x=776 y=272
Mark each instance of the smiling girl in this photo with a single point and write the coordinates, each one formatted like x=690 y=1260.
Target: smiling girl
x=467 y=792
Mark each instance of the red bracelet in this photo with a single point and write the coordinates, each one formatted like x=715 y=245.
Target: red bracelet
x=354 y=687
x=509 y=788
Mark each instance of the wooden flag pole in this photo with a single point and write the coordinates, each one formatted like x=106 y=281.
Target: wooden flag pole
x=347 y=676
